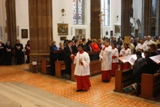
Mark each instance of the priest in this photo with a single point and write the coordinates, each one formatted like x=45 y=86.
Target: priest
x=82 y=69
x=106 y=61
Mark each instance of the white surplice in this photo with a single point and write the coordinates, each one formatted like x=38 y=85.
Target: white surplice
x=82 y=70
x=143 y=47
x=115 y=53
x=106 y=58
x=125 y=52
x=149 y=42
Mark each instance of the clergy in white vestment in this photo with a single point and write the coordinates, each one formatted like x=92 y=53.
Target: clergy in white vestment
x=148 y=42
x=106 y=61
x=141 y=46
x=82 y=69
x=125 y=52
x=115 y=61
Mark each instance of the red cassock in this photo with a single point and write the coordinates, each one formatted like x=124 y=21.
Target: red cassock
x=114 y=68
x=125 y=66
x=83 y=82
x=106 y=75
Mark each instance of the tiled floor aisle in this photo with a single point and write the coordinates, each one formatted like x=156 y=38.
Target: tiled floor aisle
x=100 y=95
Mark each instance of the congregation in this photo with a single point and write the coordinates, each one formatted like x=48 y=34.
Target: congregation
x=109 y=50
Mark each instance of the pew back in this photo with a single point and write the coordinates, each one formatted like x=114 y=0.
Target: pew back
x=59 y=66
x=44 y=65
x=150 y=85
x=123 y=79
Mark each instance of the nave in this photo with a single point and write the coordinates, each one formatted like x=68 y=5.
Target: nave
x=100 y=94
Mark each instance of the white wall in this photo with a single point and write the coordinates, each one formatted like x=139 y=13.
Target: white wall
x=3 y=35
x=22 y=19
x=115 y=10
x=57 y=18
x=137 y=9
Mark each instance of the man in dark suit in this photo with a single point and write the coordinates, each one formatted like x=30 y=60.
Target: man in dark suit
x=19 y=53
x=75 y=47
x=87 y=47
x=68 y=54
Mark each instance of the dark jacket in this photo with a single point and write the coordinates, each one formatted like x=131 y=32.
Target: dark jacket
x=138 y=64
x=67 y=54
x=53 y=55
x=75 y=49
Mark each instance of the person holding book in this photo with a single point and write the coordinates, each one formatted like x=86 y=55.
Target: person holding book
x=125 y=51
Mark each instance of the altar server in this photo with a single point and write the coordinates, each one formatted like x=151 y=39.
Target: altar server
x=114 y=59
x=82 y=69
x=106 y=61
x=141 y=46
x=125 y=52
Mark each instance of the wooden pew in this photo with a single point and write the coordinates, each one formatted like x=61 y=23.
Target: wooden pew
x=95 y=68
x=44 y=65
x=150 y=85
x=59 y=66
x=123 y=79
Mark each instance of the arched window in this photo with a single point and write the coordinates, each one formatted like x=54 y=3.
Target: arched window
x=105 y=9
x=78 y=12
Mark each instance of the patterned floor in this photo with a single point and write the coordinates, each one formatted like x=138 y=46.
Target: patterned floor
x=100 y=95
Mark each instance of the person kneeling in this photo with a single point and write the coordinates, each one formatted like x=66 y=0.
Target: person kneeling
x=138 y=68
x=82 y=69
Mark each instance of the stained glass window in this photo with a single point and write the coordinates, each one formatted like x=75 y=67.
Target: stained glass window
x=78 y=12
x=105 y=9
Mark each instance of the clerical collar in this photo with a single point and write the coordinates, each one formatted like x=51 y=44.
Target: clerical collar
x=105 y=47
x=81 y=52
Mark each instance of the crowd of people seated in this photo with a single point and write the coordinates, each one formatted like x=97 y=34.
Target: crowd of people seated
x=147 y=45
x=8 y=53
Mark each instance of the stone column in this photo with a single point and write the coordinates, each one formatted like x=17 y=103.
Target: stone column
x=40 y=19
x=95 y=24
x=126 y=13
x=11 y=21
x=158 y=19
x=146 y=17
